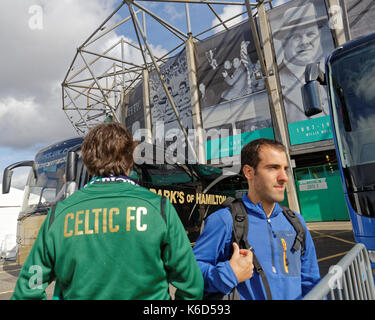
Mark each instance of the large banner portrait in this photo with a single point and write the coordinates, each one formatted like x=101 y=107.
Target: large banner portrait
x=135 y=116
x=301 y=36
x=164 y=121
x=232 y=91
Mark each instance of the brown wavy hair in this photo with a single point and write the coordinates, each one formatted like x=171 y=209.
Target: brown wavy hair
x=108 y=150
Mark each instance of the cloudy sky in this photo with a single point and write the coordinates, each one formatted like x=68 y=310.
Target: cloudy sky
x=37 y=49
x=35 y=56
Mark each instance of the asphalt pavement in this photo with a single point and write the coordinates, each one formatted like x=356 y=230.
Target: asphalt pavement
x=332 y=241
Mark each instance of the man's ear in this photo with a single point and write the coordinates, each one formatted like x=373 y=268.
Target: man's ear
x=248 y=172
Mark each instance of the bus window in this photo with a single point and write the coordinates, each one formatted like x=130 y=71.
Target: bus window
x=43 y=189
x=231 y=186
x=47 y=185
x=164 y=175
x=135 y=174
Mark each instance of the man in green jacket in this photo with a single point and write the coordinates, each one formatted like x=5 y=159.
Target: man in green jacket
x=110 y=239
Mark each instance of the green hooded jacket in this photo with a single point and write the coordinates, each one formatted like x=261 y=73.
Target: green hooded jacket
x=110 y=241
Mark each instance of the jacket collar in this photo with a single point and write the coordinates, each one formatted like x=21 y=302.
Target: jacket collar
x=257 y=209
x=112 y=178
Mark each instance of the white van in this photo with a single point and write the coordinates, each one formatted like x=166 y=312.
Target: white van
x=10 y=207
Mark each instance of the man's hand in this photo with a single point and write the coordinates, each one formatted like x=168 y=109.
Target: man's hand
x=242 y=263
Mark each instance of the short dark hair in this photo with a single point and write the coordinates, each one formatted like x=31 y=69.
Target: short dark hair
x=108 y=149
x=250 y=152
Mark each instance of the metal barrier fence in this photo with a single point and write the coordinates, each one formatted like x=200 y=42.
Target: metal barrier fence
x=350 y=279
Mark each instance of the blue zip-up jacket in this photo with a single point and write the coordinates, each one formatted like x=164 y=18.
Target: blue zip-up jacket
x=290 y=275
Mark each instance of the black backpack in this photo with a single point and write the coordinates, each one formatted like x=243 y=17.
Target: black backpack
x=239 y=235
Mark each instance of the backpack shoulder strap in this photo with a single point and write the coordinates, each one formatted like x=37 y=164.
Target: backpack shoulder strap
x=52 y=215
x=298 y=227
x=260 y=271
x=162 y=208
x=240 y=231
x=240 y=224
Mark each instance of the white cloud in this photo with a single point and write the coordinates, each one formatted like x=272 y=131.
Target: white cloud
x=366 y=86
x=232 y=10
x=130 y=52
x=229 y=12
x=174 y=13
x=34 y=63
x=279 y=2
x=26 y=121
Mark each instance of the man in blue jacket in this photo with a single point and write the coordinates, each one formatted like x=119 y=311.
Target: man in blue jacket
x=291 y=275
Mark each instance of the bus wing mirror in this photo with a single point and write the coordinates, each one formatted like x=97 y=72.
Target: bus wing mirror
x=311 y=98
x=314 y=78
x=313 y=72
x=71 y=166
x=7 y=178
x=8 y=172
